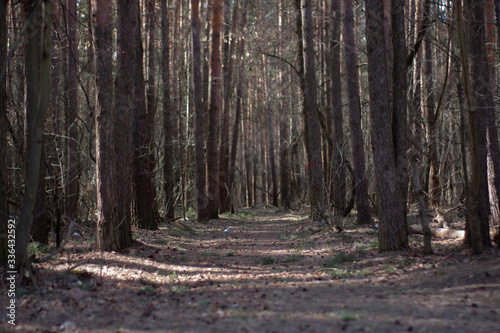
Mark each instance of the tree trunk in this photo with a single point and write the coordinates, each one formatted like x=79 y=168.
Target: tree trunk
x=239 y=98
x=201 y=195
x=214 y=114
x=337 y=148
x=72 y=139
x=144 y=189
x=168 y=116
x=4 y=214
x=473 y=219
x=483 y=100
x=358 y=155
x=124 y=99
x=391 y=203
x=38 y=71
x=311 y=117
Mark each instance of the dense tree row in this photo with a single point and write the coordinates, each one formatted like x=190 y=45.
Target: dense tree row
x=131 y=112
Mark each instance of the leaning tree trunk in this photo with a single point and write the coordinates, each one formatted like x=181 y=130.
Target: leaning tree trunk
x=38 y=96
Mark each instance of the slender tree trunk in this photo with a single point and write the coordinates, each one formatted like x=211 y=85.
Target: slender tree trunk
x=311 y=117
x=337 y=148
x=239 y=100
x=214 y=114
x=72 y=141
x=284 y=126
x=229 y=47
x=201 y=196
x=358 y=155
x=38 y=97
x=391 y=203
x=168 y=116
x=434 y=190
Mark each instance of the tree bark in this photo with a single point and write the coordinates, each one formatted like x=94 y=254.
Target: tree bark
x=4 y=214
x=311 y=117
x=391 y=205
x=473 y=219
x=168 y=116
x=38 y=72
x=201 y=196
x=214 y=114
x=72 y=139
x=337 y=147
x=144 y=189
x=357 y=144
x=483 y=101
x=124 y=99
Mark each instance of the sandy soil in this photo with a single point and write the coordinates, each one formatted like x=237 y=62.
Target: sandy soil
x=260 y=271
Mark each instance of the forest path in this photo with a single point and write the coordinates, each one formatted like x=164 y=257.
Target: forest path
x=262 y=271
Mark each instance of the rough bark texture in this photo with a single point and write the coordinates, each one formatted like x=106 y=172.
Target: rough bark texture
x=357 y=145
x=3 y=137
x=124 y=148
x=214 y=114
x=144 y=189
x=473 y=220
x=106 y=159
x=391 y=207
x=38 y=95
x=311 y=117
x=201 y=195
x=483 y=100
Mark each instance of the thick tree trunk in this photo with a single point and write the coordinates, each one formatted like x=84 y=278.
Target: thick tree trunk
x=214 y=114
x=473 y=218
x=106 y=159
x=311 y=117
x=357 y=145
x=124 y=99
x=144 y=189
x=4 y=214
x=483 y=100
x=38 y=72
x=391 y=203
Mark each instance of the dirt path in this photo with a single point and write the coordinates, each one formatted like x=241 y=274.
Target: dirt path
x=261 y=271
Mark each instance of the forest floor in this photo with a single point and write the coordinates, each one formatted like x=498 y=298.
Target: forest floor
x=259 y=271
